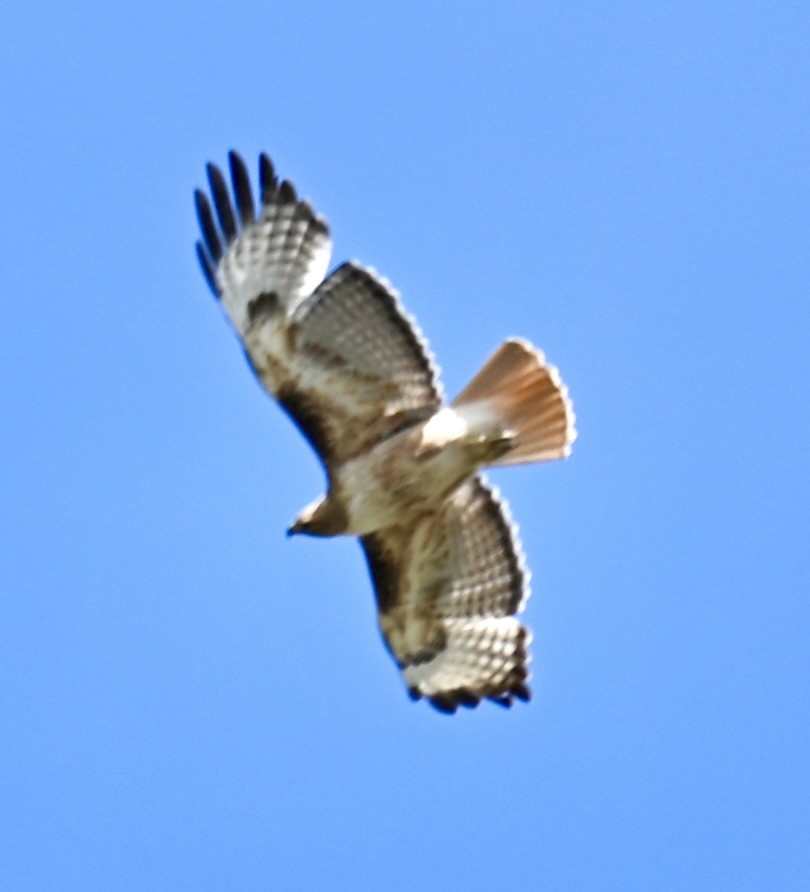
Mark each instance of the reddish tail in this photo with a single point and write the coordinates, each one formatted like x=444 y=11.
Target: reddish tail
x=519 y=392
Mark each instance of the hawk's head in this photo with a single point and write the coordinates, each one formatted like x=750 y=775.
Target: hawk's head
x=323 y=517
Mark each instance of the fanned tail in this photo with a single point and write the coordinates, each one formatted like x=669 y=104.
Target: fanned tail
x=518 y=392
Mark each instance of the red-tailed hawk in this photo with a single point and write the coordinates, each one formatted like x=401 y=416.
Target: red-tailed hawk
x=352 y=370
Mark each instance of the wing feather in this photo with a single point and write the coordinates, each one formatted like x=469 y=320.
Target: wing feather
x=285 y=251
x=448 y=589
x=207 y=267
x=207 y=226
x=267 y=179
x=241 y=188
x=222 y=202
x=341 y=355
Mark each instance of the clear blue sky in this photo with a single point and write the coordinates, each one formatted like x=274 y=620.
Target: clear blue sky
x=190 y=701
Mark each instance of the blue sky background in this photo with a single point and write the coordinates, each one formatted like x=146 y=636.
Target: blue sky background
x=189 y=700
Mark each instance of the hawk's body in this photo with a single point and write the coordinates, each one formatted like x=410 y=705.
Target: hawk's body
x=354 y=373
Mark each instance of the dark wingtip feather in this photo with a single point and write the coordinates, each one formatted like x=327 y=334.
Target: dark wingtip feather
x=207 y=226
x=241 y=188
x=267 y=179
x=466 y=698
x=443 y=703
x=303 y=211
x=502 y=700
x=222 y=202
x=207 y=269
x=522 y=692
x=286 y=192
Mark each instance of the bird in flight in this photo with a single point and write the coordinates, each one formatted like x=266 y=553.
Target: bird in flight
x=352 y=370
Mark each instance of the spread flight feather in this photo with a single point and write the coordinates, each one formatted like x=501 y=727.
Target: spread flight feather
x=351 y=368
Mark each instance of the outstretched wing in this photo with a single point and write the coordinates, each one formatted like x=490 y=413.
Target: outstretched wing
x=340 y=355
x=448 y=590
